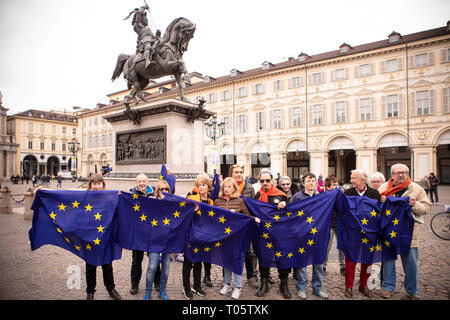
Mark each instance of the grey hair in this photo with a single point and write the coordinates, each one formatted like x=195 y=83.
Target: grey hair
x=141 y=175
x=378 y=175
x=361 y=174
x=265 y=171
x=285 y=178
x=399 y=165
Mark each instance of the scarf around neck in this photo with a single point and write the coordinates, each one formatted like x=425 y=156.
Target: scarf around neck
x=264 y=195
x=391 y=190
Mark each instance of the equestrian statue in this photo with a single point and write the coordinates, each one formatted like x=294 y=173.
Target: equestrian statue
x=155 y=57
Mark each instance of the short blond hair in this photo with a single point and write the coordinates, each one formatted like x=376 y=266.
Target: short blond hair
x=235 y=193
x=203 y=178
x=159 y=185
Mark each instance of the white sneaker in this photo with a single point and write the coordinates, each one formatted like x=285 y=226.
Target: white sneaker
x=301 y=295
x=236 y=293
x=321 y=294
x=226 y=288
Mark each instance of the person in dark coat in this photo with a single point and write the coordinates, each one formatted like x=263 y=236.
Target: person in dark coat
x=359 y=188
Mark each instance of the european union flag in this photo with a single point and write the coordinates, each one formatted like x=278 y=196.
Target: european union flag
x=79 y=221
x=168 y=177
x=295 y=236
x=370 y=231
x=219 y=236
x=216 y=187
x=152 y=225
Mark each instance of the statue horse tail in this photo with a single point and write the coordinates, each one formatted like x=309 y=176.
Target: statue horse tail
x=119 y=65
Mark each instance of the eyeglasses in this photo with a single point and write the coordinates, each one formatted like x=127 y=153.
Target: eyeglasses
x=265 y=180
x=237 y=166
x=400 y=172
x=165 y=189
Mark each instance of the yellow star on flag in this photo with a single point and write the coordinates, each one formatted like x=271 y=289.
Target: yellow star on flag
x=393 y=234
x=267 y=225
x=276 y=217
x=199 y=212
x=378 y=247
x=310 y=242
x=278 y=254
x=67 y=240
x=300 y=213
x=269 y=245
x=388 y=212
x=313 y=230
x=52 y=215
x=136 y=207
x=182 y=204
x=166 y=221
x=372 y=248
x=154 y=223
x=211 y=213
x=373 y=213
x=288 y=214
x=176 y=214
x=289 y=255
x=88 y=207
x=222 y=219
x=62 y=207
x=227 y=230
x=207 y=249
x=143 y=218
x=97 y=216
x=395 y=221
x=309 y=220
x=364 y=221
x=265 y=235
x=365 y=240
x=195 y=250
x=88 y=247
x=387 y=244
x=217 y=244
x=59 y=230
x=100 y=229
x=301 y=250
x=75 y=204
x=78 y=248
x=97 y=241
x=135 y=196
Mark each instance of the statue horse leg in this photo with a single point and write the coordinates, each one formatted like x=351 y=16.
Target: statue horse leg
x=180 y=85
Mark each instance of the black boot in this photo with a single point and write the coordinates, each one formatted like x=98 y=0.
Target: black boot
x=264 y=288
x=284 y=289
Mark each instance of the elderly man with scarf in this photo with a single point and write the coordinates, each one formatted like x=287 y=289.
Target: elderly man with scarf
x=400 y=185
x=270 y=194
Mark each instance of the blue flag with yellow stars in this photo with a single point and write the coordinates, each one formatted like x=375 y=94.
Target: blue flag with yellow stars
x=370 y=231
x=79 y=221
x=219 y=236
x=216 y=187
x=168 y=177
x=295 y=236
x=152 y=225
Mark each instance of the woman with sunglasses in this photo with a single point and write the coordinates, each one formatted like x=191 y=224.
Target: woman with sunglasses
x=288 y=187
x=153 y=257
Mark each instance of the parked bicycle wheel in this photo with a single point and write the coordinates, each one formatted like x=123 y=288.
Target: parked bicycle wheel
x=440 y=225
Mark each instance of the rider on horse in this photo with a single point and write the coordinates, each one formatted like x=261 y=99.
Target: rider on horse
x=146 y=40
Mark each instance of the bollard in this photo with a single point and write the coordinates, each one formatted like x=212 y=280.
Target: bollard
x=5 y=205
x=29 y=198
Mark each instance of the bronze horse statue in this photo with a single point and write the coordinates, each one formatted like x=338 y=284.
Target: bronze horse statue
x=167 y=60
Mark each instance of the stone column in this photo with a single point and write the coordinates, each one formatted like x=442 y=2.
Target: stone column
x=318 y=163
x=424 y=158
x=366 y=160
x=244 y=159
x=275 y=162
x=29 y=198
x=5 y=205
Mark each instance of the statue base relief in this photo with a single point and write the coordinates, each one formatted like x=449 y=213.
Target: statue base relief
x=166 y=135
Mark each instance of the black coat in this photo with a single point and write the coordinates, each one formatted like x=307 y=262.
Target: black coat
x=370 y=193
x=273 y=199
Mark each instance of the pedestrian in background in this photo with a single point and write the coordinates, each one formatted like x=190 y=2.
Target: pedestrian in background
x=434 y=182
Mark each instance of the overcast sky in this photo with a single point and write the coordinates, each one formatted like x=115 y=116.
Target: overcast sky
x=56 y=54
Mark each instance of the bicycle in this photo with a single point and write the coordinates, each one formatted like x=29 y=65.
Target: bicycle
x=440 y=224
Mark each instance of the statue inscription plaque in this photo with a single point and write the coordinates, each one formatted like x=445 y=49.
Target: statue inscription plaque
x=142 y=146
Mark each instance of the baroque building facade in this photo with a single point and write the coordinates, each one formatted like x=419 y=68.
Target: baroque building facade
x=366 y=106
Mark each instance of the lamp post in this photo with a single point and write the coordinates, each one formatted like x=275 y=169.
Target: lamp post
x=214 y=130
x=73 y=147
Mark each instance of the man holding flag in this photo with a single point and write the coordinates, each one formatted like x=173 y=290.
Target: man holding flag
x=400 y=185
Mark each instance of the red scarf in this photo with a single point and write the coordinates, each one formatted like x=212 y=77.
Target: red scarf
x=391 y=190
x=241 y=186
x=264 y=195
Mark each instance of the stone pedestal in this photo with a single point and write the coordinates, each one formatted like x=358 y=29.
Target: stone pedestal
x=5 y=203
x=165 y=135
x=29 y=198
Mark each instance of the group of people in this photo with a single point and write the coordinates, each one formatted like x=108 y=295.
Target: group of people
x=231 y=190
x=430 y=184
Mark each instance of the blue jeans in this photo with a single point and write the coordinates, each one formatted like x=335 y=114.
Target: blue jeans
x=227 y=278
x=153 y=260
x=410 y=267
x=316 y=281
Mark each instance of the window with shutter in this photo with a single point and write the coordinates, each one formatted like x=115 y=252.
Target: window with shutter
x=317 y=114
x=297 y=117
x=364 y=70
x=421 y=60
x=277 y=119
x=339 y=74
x=422 y=103
x=445 y=100
x=392 y=106
x=364 y=109
x=340 y=110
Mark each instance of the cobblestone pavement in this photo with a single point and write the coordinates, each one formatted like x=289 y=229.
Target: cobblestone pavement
x=47 y=272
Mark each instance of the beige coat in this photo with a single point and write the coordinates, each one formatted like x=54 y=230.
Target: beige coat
x=420 y=208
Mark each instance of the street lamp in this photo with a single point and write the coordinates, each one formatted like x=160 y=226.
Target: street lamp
x=214 y=130
x=73 y=147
